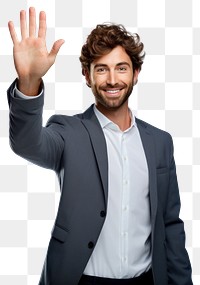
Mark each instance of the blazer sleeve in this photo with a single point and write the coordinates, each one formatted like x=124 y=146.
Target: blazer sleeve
x=28 y=138
x=178 y=264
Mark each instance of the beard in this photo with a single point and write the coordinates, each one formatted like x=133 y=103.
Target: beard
x=115 y=102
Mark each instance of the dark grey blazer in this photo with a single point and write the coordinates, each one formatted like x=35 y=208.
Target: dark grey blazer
x=75 y=148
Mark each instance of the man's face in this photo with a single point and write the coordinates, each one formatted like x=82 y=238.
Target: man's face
x=111 y=79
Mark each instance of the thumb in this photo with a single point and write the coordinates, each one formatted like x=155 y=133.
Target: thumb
x=55 y=49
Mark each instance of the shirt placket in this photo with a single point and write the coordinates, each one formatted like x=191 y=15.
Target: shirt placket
x=124 y=205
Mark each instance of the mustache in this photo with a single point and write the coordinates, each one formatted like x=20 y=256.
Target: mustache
x=116 y=86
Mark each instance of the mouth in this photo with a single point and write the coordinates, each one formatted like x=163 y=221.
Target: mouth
x=112 y=92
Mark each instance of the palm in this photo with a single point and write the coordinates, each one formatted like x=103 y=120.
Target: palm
x=31 y=56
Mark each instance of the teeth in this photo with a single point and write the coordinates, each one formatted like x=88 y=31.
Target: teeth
x=112 y=91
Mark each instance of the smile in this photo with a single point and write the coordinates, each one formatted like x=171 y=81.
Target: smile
x=112 y=91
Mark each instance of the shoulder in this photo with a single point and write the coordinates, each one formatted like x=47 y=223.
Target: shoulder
x=158 y=133
x=72 y=119
x=63 y=120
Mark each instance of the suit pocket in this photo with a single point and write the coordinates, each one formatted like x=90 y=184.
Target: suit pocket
x=59 y=233
x=162 y=170
x=162 y=186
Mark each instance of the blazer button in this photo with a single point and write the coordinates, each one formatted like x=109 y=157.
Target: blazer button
x=90 y=244
x=102 y=214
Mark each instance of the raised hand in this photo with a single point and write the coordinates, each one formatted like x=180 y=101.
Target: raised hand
x=31 y=57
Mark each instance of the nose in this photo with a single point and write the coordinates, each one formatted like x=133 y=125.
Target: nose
x=112 y=78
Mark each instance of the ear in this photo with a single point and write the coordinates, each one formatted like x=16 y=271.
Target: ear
x=87 y=77
x=135 y=77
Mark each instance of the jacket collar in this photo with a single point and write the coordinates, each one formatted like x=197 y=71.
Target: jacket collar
x=98 y=141
x=150 y=152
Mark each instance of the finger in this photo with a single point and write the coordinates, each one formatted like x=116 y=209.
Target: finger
x=23 y=24
x=42 y=25
x=12 y=32
x=32 y=22
x=55 y=49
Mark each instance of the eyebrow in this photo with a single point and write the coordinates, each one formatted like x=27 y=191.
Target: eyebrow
x=105 y=65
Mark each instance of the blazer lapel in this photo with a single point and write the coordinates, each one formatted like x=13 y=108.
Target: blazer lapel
x=94 y=129
x=149 y=149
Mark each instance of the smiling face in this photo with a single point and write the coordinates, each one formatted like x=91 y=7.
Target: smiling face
x=112 y=79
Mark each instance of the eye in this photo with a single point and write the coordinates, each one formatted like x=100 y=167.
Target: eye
x=122 y=68
x=101 y=69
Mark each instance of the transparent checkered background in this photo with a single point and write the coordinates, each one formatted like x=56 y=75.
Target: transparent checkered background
x=167 y=96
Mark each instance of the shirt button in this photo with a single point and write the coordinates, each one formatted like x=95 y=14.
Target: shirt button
x=125 y=208
x=102 y=214
x=90 y=244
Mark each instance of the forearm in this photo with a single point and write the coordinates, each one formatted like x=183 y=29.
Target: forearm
x=179 y=268
x=28 y=138
x=25 y=120
x=178 y=263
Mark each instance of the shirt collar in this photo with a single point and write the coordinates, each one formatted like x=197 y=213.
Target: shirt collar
x=105 y=122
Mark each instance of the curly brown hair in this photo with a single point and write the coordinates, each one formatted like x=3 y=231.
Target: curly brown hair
x=104 y=38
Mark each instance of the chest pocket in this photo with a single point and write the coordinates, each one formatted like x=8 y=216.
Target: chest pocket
x=59 y=234
x=162 y=186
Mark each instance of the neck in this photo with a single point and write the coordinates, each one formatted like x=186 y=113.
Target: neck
x=120 y=116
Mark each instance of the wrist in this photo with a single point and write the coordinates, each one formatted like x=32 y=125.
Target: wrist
x=29 y=87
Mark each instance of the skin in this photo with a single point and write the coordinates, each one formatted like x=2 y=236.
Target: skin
x=111 y=79
x=31 y=57
x=111 y=76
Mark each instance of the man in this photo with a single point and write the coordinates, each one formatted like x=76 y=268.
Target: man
x=118 y=217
